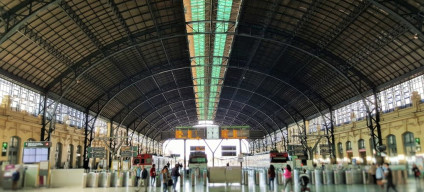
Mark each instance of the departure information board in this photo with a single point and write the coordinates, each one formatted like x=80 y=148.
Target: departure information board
x=235 y=132
x=212 y=132
x=189 y=133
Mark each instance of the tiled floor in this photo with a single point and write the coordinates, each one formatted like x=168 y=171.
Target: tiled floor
x=411 y=186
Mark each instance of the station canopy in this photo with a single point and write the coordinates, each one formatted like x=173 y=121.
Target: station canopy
x=153 y=65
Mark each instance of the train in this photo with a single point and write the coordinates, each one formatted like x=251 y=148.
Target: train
x=197 y=159
x=149 y=159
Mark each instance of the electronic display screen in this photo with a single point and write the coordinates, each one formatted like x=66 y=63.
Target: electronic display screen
x=35 y=155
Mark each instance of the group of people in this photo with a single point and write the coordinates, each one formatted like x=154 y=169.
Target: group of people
x=303 y=178
x=168 y=179
x=381 y=175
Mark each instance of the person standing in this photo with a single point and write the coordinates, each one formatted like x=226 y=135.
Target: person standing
x=137 y=175
x=175 y=174
x=371 y=173
x=287 y=177
x=15 y=179
x=389 y=177
x=144 y=177
x=165 y=178
x=271 y=176
x=152 y=175
x=304 y=181
x=416 y=172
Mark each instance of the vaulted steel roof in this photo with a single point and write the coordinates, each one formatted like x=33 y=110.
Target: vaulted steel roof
x=130 y=61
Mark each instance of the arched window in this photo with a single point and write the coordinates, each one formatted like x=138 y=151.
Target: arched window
x=340 y=149
x=362 y=151
x=15 y=143
x=361 y=144
x=70 y=155
x=348 y=146
x=391 y=145
x=58 y=155
x=79 y=156
x=409 y=143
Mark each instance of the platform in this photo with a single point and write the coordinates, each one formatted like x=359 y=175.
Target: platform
x=411 y=186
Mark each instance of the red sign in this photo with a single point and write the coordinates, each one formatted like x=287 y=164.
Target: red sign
x=9 y=167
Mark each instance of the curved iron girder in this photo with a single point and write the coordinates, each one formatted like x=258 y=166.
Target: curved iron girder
x=169 y=37
x=242 y=35
x=133 y=82
x=316 y=57
x=253 y=36
x=238 y=88
x=10 y=30
x=158 y=131
x=13 y=22
x=265 y=114
x=129 y=125
x=148 y=132
x=400 y=18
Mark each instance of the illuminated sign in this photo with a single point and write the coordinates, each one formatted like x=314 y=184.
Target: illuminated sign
x=234 y=133
x=197 y=148
x=4 y=149
x=192 y=133
x=38 y=144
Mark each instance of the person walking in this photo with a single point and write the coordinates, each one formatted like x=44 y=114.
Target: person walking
x=175 y=174
x=165 y=178
x=389 y=177
x=379 y=176
x=152 y=175
x=271 y=176
x=142 y=176
x=288 y=178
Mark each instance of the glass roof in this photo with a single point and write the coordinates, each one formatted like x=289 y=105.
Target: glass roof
x=207 y=54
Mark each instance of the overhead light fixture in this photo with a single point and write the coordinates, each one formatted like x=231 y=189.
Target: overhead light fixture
x=415 y=36
x=205 y=122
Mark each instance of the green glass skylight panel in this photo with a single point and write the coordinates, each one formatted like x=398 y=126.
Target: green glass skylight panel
x=223 y=14
x=203 y=71
x=198 y=14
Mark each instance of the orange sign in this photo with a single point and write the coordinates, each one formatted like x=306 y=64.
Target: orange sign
x=186 y=134
x=234 y=134
x=179 y=134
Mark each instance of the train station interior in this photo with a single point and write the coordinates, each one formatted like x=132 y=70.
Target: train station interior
x=212 y=95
